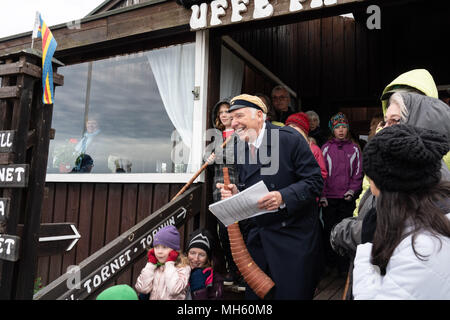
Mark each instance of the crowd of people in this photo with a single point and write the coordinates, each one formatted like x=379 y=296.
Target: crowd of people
x=378 y=214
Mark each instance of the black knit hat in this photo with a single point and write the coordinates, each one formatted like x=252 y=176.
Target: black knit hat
x=201 y=239
x=405 y=158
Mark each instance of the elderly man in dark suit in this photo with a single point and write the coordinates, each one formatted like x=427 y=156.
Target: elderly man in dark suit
x=285 y=244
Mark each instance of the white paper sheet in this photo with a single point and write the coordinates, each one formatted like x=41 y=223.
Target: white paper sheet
x=241 y=206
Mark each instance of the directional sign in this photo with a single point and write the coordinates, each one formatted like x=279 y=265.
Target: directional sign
x=7 y=141
x=14 y=176
x=4 y=209
x=9 y=247
x=182 y=214
x=55 y=238
x=134 y=248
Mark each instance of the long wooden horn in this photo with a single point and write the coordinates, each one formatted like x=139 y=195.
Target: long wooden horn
x=260 y=282
x=188 y=184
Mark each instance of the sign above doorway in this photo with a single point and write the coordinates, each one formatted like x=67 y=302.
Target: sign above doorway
x=225 y=12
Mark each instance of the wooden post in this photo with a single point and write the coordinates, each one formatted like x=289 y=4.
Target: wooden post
x=23 y=113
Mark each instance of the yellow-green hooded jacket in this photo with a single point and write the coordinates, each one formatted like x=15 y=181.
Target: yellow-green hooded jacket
x=418 y=79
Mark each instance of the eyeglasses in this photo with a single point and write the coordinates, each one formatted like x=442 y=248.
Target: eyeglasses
x=279 y=98
x=392 y=121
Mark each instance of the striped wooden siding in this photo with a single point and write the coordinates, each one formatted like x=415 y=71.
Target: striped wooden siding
x=336 y=63
x=101 y=213
x=328 y=62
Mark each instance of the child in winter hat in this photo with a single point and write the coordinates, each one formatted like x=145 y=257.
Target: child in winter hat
x=204 y=283
x=166 y=274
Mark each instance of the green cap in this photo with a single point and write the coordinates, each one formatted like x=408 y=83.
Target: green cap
x=119 y=292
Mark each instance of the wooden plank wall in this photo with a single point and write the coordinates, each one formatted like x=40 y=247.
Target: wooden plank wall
x=337 y=63
x=101 y=212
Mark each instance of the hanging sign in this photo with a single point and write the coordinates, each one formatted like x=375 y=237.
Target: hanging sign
x=14 y=176
x=9 y=247
x=7 y=141
x=224 y=12
x=4 y=209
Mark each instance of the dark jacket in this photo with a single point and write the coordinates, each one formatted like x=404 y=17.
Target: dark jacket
x=224 y=156
x=211 y=291
x=319 y=136
x=286 y=244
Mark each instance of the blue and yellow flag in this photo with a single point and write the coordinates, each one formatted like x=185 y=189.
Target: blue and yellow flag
x=48 y=49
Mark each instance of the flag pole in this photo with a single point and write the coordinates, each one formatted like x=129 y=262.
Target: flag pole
x=34 y=35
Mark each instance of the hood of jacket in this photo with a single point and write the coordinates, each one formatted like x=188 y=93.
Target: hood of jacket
x=215 y=110
x=419 y=79
x=341 y=143
x=426 y=112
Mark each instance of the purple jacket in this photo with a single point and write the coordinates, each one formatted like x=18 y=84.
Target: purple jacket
x=343 y=160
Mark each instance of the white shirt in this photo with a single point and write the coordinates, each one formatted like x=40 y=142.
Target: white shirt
x=257 y=143
x=407 y=277
x=259 y=138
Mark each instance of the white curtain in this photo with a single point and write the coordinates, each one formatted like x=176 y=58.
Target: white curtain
x=231 y=74
x=173 y=69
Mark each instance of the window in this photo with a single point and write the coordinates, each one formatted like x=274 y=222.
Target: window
x=126 y=114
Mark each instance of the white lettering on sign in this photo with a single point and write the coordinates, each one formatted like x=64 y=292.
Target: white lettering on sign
x=9 y=247
x=5 y=140
x=217 y=10
x=263 y=9
x=4 y=209
x=320 y=3
x=198 y=16
x=295 y=5
x=13 y=175
x=238 y=7
x=7 y=174
x=118 y=263
x=8 y=243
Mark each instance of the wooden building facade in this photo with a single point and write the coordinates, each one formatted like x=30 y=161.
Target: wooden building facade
x=330 y=62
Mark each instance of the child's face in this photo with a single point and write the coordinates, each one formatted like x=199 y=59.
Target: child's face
x=341 y=132
x=162 y=252
x=224 y=116
x=197 y=257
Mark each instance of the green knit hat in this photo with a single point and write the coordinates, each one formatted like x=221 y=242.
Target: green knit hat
x=119 y=292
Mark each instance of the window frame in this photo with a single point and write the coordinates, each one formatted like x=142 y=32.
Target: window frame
x=199 y=127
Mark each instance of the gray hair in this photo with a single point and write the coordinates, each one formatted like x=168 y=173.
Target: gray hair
x=312 y=114
x=398 y=100
x=254 y=110
x=279 y=88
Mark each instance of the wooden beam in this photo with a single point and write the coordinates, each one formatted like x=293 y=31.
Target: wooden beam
x=10 y=92
x=120 y=254
x=25 y=67
x=6 y=158
x=112 y=25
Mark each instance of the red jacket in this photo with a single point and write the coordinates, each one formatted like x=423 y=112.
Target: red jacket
x=319 y=157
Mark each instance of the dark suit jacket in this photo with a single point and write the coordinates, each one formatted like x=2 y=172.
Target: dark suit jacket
x=286 y=244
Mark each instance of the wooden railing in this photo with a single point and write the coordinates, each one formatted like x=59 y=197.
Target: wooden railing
x=86 y=280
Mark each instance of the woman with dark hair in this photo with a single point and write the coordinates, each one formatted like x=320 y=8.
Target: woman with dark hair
x=410 y=254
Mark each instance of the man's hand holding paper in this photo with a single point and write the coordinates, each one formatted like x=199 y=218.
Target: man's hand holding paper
x=237 y=206
x=271 y=201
